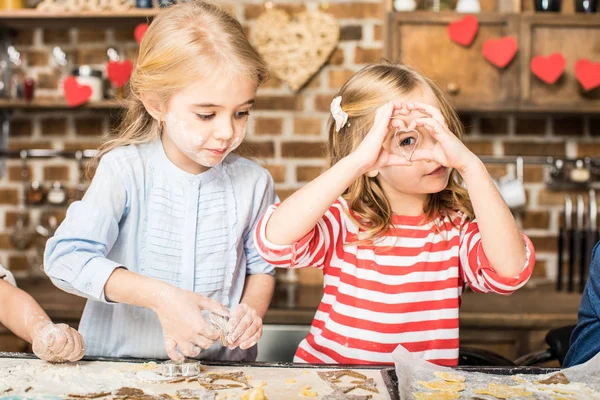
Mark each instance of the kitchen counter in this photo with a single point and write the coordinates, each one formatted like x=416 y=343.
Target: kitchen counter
x=511 y=326
x=295 y=304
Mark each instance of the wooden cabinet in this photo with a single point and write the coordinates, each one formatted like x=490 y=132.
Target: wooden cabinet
x=575 y=37
x=421 y=39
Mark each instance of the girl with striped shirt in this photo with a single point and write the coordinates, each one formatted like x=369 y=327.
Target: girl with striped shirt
x=392 y=226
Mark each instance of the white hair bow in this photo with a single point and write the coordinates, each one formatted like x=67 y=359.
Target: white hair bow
x=338 y=114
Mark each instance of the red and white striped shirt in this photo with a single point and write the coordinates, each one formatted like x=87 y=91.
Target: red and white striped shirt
x=405 y=289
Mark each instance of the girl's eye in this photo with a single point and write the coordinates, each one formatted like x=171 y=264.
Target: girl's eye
x=409 y=141
x=205 y=117
x=242 y=114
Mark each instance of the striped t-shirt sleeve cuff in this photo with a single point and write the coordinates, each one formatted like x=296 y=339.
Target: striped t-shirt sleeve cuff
x=507 y=285
x=276 y=254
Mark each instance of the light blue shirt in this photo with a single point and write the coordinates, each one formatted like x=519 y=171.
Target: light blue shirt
x=144 y=213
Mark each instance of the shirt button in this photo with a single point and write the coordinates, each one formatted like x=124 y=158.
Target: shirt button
x=88 y=286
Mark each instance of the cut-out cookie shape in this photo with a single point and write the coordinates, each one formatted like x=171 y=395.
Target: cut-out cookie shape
x=449 y=376
x=209 y=381
x=444 y=386
x=333 y=378
x=436 y=395
x=190 y=394
x=503 y=391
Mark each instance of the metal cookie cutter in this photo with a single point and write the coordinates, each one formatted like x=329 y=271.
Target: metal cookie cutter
x=173 y=369
x=220 y=323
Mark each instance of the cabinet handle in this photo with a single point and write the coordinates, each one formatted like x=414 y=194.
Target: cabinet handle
x=453 y=88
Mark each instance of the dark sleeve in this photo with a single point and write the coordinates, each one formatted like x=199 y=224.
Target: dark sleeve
x=585 y=340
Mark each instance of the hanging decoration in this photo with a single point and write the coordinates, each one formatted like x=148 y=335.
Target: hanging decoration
x=294 y=47
x=119 y=72
x=588 y=73
x=500 y=52
x=464 y=30
x=76 y=94
x=548 y=69
x=139 y=32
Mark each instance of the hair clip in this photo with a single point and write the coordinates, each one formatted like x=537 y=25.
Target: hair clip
x=338 y=114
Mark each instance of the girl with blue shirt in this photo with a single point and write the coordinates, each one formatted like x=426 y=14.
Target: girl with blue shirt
x=163 y=235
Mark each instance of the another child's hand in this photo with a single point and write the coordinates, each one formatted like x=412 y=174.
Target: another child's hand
x=448 y=150
x=185 y=330
x=246 y=327
x=57 y=343
x=370 y=154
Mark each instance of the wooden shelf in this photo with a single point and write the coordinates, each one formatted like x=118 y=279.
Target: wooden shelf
x=32 y=18
x=421 y=39
x=57 y=105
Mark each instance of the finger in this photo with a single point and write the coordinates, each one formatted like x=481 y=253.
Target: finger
x=398 y=123
x=203 y=342
x=171 y=348
x=213 y=306
x=237 y=316
x=82 y=351
x=423 y=154
x=242 y=327
x=435 y=128
x=382 y=119
x=252 y=330
x=189 y=349
x=252 y=341
x=207 y=329
x=69 y=345
x=434 y=112
x=76 y=354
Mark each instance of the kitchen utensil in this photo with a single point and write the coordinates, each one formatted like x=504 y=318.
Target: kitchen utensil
x=571 y=241
x=185 y=368
x=581 y=239
x=590 y=233
x=22 y=235
x=563 y=238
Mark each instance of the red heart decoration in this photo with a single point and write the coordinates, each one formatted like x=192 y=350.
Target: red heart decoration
x=119 y=72
x=500 y=52
x=588 y=73
x=76 y=94
x=464 y=30
x=549 y=68
x=139 y=32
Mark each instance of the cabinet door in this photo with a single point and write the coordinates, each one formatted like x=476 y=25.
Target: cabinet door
x=575 y=37
x=421 y=40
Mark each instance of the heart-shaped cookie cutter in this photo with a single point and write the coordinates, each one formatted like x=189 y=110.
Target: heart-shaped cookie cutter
x=406 y=155
x=221 y=324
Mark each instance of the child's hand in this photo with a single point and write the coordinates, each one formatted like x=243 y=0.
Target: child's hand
x=246 y=327
x=185 y=330
x=448 y=150
x=370 y=154
x=57 y=343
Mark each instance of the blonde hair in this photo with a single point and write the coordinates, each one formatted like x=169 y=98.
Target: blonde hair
x=186 y=43
x=368 y=89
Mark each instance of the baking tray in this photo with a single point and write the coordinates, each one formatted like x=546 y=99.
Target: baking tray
x=391 y=379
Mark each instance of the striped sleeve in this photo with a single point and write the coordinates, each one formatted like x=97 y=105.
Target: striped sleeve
x=477 y=270
x=315 y=249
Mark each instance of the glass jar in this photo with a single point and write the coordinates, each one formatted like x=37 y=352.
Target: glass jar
x=88 y=76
